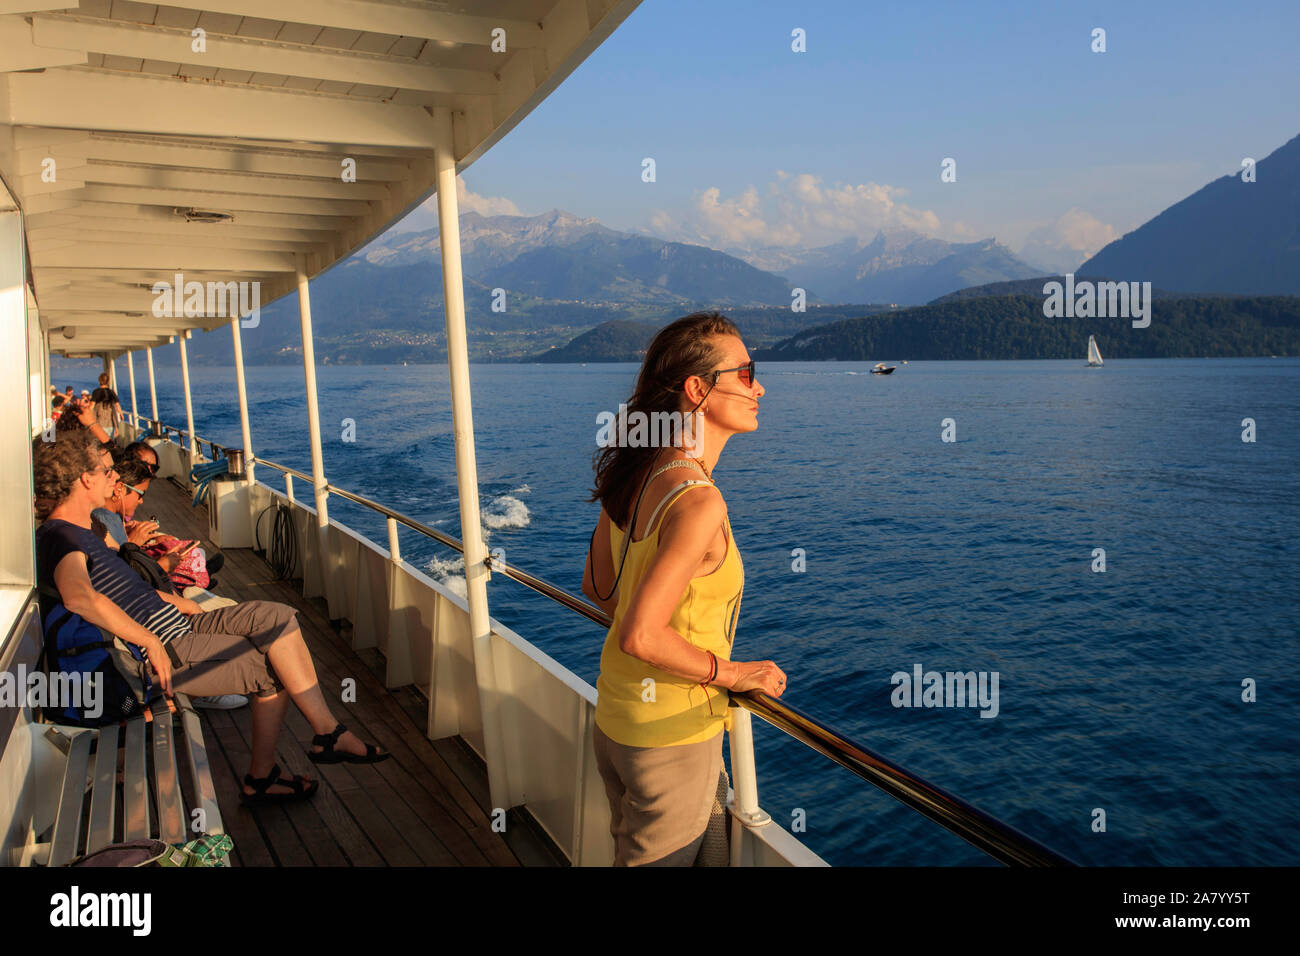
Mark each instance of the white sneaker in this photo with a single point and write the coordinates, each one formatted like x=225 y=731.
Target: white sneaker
x=224 y=702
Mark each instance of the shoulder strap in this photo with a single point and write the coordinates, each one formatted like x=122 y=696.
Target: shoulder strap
x=663 y=501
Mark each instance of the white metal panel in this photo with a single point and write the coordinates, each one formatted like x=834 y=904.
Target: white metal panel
x=453 y=697
x=771 y=845
x=17 y=426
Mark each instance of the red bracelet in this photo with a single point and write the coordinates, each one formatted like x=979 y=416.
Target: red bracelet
x=713 y=673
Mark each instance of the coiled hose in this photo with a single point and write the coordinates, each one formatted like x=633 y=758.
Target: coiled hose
x=200 y=475
x=282 y=548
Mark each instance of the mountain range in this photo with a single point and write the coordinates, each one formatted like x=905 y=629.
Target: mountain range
x=897 y=265
x=1232 y=236
x=542 y=288
x=560 y=276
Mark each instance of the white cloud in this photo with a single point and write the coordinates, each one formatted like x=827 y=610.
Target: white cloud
x=799 y=210
x=1069 y=241
x=483 y=205
x=426 y=215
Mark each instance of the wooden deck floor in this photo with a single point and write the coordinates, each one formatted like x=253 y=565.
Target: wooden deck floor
x=424 y=806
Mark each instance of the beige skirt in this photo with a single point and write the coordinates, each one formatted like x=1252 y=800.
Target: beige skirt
x=660 y=798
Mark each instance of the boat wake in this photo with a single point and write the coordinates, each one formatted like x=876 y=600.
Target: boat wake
x=449 y=572
x=503 y=511
x=506 y=511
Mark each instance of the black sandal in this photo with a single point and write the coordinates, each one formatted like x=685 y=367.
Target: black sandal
x=302 y=788
x=330 y=755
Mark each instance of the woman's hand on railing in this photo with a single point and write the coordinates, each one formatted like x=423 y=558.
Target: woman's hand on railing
x=757 y=675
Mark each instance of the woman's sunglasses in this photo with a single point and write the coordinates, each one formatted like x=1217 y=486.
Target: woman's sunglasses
x=746 y=375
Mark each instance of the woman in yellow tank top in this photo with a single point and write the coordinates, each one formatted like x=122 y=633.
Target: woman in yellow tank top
x=663 y=564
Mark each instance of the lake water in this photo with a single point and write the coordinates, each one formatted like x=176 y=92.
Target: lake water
x=1119 y=691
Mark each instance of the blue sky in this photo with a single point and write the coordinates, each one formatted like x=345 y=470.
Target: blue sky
x=1047 y=135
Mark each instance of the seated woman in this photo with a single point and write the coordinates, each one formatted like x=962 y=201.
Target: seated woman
x=254 y=648
x=212 y=562
x=117 y=514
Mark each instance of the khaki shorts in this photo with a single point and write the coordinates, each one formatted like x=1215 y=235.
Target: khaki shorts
x=660 y=798
x=225 y=651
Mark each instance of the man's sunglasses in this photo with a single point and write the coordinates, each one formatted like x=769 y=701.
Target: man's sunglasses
x=746 y=375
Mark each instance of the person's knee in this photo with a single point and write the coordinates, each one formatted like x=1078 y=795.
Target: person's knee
x=271 y=619
x=282 y=615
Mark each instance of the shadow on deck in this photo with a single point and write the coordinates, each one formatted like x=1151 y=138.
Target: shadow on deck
x=426 y=806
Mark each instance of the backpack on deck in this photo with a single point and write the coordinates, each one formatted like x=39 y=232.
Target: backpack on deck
x=77 y=649
x=147 y=566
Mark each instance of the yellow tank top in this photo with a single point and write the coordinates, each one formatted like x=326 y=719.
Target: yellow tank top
x=672 y=710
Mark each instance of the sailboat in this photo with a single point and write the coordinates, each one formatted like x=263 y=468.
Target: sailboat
x=1094 y=355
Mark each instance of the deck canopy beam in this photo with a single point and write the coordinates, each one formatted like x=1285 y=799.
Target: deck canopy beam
x=302 y=127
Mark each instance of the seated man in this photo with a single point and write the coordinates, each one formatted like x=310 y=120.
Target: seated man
x=125 y=494
x=253 y=648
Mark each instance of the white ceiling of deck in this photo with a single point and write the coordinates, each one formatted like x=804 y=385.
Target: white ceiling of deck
x=144 y=123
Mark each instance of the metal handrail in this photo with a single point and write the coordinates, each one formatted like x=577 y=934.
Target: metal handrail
x=999 y=840
x=397 y=516
x=166 y=429
x=284 y=468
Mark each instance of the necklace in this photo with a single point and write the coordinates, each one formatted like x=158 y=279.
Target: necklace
x=686 y=462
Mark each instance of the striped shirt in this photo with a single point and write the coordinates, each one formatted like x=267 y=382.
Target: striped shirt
x=109 y=575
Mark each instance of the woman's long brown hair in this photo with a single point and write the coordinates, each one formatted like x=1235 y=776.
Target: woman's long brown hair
x=677 y=352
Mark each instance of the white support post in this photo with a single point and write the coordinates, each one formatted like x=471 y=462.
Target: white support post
x=112 y=383
x=313 y=422
x=471 y=527
x=153 y=386
x=45 y=371
x=394 y=548
x=189 y=401
x=744 y=778
x=246 y=431
x=135 y=409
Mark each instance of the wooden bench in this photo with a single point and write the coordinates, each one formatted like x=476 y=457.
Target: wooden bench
x=155 y=754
